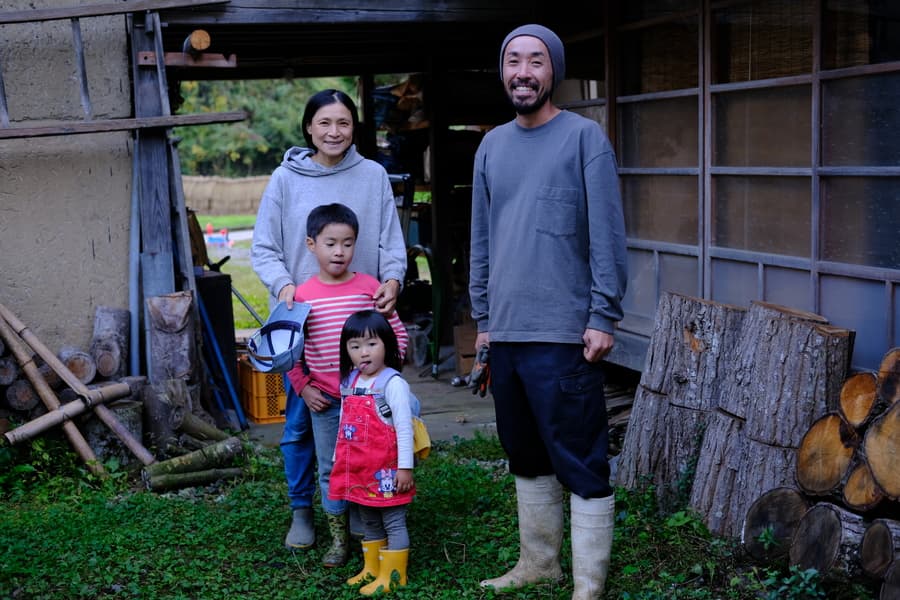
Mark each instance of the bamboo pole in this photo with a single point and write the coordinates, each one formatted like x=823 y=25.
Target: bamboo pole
x=88 y=398
x=26 y=361
x=169 y=481
x=214 y=455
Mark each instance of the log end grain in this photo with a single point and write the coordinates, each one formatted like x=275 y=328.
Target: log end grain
x=824 y=454
x=777 y=511
x=860 y=492
x=817 y=538
x=858 y=398
x=890 y=587
x=889 y=377
x=876 y=549
x=882 y=449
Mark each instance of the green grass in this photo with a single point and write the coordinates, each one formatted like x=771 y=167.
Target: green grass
x=66 y=535
x=230 y=222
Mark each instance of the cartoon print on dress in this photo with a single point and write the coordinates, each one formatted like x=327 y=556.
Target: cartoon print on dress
x=385 y=479
x=349 y=430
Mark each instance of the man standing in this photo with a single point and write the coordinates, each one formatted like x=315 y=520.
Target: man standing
x=548 y=272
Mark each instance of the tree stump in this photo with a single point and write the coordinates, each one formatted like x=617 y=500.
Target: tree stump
x=109 y=343
x=689 y=350
x=79 y=362
x=889 y=377
x=879 y=547
x=824 y=455
x=858 y=403
x=104 y=442
x=164 y=407
x=779 y=510
x=882 y=447
x=827 y=539
x=661 y=447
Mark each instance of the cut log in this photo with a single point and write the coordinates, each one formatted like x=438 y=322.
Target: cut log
x=760 y=467
x=79 y=362
x=20 y=395
x=172 y=342
x=827 y=539
x=214 y=455
x=51 y=377
x=775 y=514
x=661 y=447
x=824 y=455
x=109 y=344
x=689 y=350
x=105 y=442
x=723 y=445
x=879 y=547
x=743 y=386
x=882 y=447
x=889 y=377
x=200 y=429
x=800 y=373
x=9 y=370
x=890 y=587
x=859 y=491
x=171 y=481
x=858 y=400
x=165 y=405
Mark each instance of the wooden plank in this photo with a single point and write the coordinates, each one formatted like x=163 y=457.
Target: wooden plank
x=97 y=10
x=102 y=126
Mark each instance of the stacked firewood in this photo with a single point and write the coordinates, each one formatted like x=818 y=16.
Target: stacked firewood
x=842 y=518
x=42 y=390
x=724 y=399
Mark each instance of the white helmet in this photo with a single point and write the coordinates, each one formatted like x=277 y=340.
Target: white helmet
x=276 y=346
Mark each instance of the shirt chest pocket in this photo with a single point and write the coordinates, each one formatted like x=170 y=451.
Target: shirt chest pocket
x=557 y=211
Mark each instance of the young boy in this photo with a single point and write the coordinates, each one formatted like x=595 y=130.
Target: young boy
x=334 y=294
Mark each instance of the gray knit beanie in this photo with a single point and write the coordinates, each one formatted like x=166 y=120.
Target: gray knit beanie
x=550 y=39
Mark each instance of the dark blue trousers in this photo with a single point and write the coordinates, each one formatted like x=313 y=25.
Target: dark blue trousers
x=551 y=414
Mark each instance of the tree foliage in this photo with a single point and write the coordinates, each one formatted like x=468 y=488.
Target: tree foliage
x=254 y=146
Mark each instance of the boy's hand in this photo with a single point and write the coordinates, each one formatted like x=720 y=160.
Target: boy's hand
x=286 y=295
x=314 y=399
x=386 y=296
x=403 y=482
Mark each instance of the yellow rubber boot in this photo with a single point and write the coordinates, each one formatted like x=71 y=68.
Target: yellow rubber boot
x=370 y=561
x=391 y=561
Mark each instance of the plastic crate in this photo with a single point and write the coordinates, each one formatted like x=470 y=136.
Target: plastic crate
x=262 y=394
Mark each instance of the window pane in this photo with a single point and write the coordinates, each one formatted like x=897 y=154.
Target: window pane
x=595 y=113
x=585 y=58
x=860 y=32
x=659 y=58
x=661 y=133
x=762 y=214
x=762 y=39
x=679 y=274
x=661 y=207
x=788 y=287
x=861 y=221
x=734 y=282
x=860 y=114
x=767 y=127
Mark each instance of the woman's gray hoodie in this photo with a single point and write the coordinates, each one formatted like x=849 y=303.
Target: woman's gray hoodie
x=279 y=254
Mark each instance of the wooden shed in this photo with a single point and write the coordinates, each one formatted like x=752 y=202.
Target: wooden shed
x=757 y=139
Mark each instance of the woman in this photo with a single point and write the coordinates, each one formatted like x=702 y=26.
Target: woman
x=328 y=170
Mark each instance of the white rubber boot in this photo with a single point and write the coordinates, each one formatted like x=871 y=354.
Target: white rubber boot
x=540 y=508
x=592 y=536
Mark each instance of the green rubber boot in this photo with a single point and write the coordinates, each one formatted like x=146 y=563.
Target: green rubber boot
x=336 y=555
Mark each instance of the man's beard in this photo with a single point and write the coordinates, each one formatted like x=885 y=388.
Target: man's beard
x=523 y=108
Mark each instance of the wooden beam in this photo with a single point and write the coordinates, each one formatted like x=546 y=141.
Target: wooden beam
x=185 y=59
x=97 y=10
x=80 y=127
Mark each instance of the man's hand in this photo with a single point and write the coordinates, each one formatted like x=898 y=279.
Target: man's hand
x=480 y=377
x=314 y=399
x=386 y=296
x=286 y=295
x=482 y=339
x=597 y=344
x=403 y=482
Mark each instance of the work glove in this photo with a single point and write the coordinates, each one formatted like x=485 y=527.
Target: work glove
x=480 y=377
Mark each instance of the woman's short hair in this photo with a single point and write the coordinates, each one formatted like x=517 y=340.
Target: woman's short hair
x=324 y=98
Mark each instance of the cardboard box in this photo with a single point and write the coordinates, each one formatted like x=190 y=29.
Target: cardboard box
x=464 y=346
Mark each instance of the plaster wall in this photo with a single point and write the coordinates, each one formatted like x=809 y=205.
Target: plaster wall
x=64 y=200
